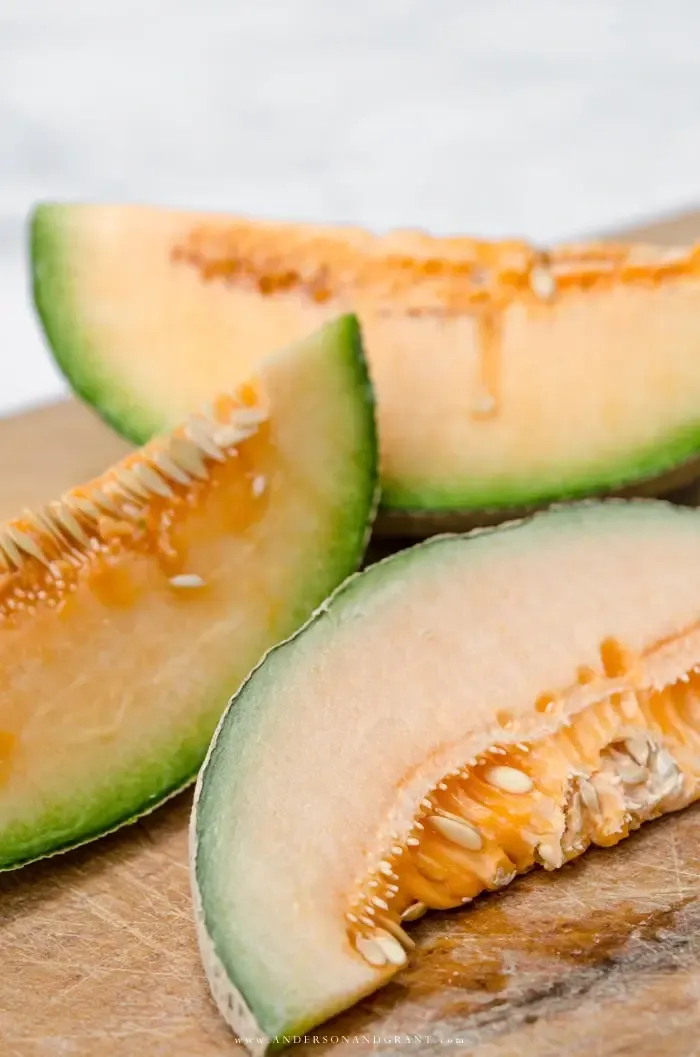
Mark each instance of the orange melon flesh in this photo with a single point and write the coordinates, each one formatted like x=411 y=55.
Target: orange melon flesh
x=457 y=714
x=506 y=377
x=131 y=608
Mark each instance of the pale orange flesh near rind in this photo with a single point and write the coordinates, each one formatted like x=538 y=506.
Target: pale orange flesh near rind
x=132 y=607
x=506 y=376
x=465 y=711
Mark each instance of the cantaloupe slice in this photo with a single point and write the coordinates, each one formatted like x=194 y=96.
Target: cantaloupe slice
x=507 y=377
x=131 y=608
x=454 y=715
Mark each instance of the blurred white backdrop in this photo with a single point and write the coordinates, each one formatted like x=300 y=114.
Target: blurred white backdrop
x=541 y=118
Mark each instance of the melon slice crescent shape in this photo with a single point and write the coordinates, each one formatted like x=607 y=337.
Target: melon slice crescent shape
x=132 y=607
x=506 y=377
x=455 y=715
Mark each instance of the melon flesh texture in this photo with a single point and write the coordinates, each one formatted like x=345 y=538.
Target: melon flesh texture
x=532 y=687
x=502 y=383
x=130 y=614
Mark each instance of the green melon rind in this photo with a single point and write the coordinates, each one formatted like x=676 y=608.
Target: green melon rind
x=31 y=846
x=99 y=831
x=107 y=812
x=416 y=522
x=420 y=498
x=249 y=1011
x=56 y=302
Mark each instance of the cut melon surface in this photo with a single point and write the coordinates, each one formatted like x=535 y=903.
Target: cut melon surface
x=133 y=606
x=453 y=716
x=507 y=377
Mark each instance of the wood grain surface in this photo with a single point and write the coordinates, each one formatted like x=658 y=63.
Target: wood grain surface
x=97 y=949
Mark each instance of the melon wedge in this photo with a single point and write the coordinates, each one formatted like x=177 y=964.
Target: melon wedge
x=506 y=377
x=132 y=607
x=455 y=715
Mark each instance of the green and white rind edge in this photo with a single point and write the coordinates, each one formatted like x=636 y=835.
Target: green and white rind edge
x=229 y=1000
x=93 y=380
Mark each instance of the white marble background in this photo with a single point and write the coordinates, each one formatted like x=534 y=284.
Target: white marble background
x=546 y=118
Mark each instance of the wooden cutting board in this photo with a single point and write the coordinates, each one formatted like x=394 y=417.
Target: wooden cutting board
x=97 y=948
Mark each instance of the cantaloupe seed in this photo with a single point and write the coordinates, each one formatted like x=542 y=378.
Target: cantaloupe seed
x=619 y=762
x=187 y=580
x=137 y=505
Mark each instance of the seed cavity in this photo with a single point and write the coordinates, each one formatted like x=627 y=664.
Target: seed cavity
x=591 y=781
x=71 y=534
